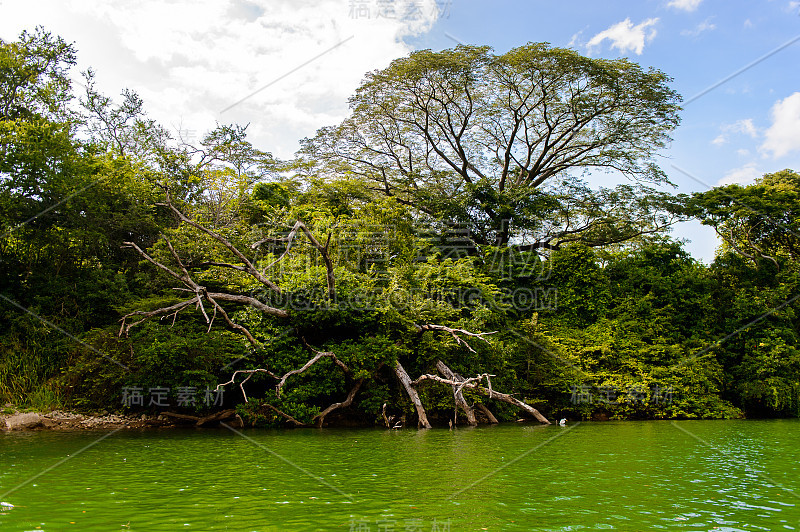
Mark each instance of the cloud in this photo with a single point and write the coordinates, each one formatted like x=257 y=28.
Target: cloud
x=685 y=5
x=700 y=28
x=744 y=126
x=744 y=175
x=575 y=39
x=190 y=59
x=783 y=136
x=624 y=36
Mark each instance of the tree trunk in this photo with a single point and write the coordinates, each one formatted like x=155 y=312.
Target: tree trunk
x=413 y=395
x=457 y=395
x=487 y=413
x=516 y=402
x=217 y=416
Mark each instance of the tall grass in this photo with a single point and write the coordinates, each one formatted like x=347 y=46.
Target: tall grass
x=26 y=368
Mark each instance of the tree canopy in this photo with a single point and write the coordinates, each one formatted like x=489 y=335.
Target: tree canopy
x=472 y=137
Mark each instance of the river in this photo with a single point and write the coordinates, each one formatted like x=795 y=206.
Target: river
x=650 y=475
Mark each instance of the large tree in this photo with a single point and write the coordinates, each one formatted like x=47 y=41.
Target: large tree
x=760 y=221
x=491 y=140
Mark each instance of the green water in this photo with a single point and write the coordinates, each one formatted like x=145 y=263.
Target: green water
x=712 y=475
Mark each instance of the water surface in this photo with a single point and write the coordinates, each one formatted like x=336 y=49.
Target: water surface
x=657 y=475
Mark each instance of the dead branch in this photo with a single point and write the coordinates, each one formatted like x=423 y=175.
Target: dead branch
x=323 y=250
x=156 y=263
x=516 y=402
x=251 y=301
x=185 y=417
x=316 y=358
x=458 y=396
x=347 y=402
x=223 y=265
x=471 y=383
x=405 y=380
x=249 y=373
x=212 y=298
x=173 y=309
x=217 y=416
x=200 y=294
x=474 y=383
x=385 y=419
x=454 y=333
x=248 y=266
x=285 y=415
x=231 y=324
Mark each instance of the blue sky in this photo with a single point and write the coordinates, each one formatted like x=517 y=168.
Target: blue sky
x=191 y=60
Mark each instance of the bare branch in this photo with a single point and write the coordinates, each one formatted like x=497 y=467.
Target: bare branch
x=126 y=327
x=323 y=250
x=316 y=358
x=347 y=402
x=156 y=263
x=284 y=415
x=474 y=383
x=249 y=373
x=248 y=266
x=455 y=334
x=224 y=265
x=458 y=396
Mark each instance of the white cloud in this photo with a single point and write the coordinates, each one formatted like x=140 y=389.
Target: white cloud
x=624 y=36
x=744 y=175
x=793 y=6
x=741 y=152
x=748 y=23
x=700 y=28
x=783 y=136
x=190 y=59
x=744 y=126
x=685 y=5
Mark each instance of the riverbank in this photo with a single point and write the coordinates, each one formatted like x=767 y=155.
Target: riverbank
x=12 y=419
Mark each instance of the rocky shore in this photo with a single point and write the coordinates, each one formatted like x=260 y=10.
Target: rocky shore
x=13 y=419
x=59 y=420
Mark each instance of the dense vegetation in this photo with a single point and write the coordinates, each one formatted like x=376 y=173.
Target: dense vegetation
x=446 y=206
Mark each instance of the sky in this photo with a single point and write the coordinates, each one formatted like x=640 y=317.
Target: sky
x=287 y=67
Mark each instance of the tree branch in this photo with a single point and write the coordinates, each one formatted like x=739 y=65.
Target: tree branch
x=318 y=355
x=347 y=402
x=454 y=333
x=474 y=383
x=458 y=396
